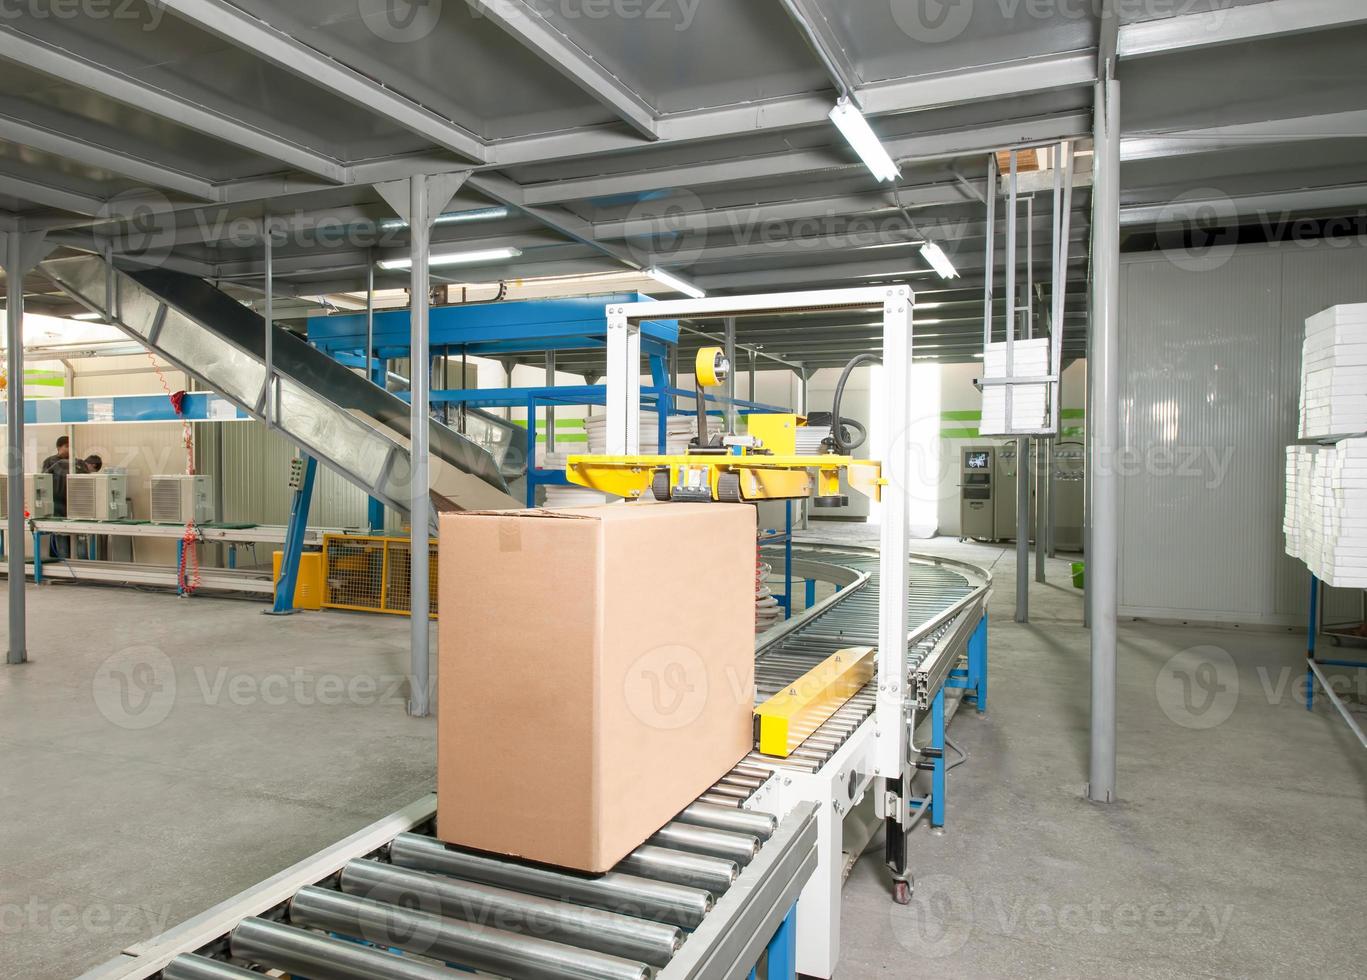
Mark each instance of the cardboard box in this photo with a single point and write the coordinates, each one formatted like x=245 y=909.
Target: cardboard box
x=596 y=673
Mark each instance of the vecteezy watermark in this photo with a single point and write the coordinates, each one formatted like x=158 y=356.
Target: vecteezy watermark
x=1199 y=687
x=939 y=21
x=299 y=686
x=400 y=21
x=68 y=919
x=667 y=687
x=135 y=688
x=944 y=912
x=677 y=13
x=147 y=13
x=138 y=224
x=938 y=921
x=1206 y=223
x=932 y=21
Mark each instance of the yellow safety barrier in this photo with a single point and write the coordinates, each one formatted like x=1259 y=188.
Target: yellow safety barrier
x=369 y=573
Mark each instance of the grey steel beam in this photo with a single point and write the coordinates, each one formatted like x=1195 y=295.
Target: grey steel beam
x=828 y=45
x=921 y=148
x=1237 y=25
x=115 y=85
x=50 y=197
x=1184 y=213
x=1103 y=428
x=1351 y=124
x=526 y=25
x=238 y=27
x=508 y=192
x=90 y=155
x=1006 y=80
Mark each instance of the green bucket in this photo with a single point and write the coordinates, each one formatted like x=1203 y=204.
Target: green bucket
x=1079 y=575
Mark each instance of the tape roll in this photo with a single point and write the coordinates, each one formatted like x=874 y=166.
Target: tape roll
x=711 y=367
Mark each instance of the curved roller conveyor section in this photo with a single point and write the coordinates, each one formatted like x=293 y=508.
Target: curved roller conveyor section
x=355 y=427
x=698 y=900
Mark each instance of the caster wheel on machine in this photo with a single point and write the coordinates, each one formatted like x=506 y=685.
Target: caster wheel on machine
x=901 y=892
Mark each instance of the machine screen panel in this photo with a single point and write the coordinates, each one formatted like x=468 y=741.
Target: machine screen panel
x=975 y=461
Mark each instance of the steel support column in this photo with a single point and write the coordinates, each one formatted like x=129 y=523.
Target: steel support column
x=374 y=508
x=420 y=366
x=730 y=389
x=21 y=252
x=1104 y=425
x=1043 y=451
x=293 y=546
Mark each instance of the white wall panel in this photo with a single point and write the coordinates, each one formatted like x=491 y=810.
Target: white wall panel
x=1210 y=369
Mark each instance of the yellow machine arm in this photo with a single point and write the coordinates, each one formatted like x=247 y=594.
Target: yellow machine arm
x=726 y=478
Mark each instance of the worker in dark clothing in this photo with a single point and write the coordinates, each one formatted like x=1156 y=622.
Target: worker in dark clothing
x=60 y=468
x=63 y=452
x=93 y=464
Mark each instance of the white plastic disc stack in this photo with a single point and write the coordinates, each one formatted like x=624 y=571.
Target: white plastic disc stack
x=1029 y=403
x=679 y=430
x=558 y=498
x=767 y=610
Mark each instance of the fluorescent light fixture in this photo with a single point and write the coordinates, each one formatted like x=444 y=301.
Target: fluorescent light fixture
x=676 y=284
x=855 y=128
x=455 y=258
x=452 y=218
x=939 y=261
x=86 y=316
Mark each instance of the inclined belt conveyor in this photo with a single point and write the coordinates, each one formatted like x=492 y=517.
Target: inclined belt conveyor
x=700 y=899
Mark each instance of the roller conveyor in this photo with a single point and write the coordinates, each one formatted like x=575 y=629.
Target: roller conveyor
x=699 y=899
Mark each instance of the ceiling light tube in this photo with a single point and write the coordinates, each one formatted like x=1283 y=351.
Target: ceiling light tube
x=675 y=283
x=451 y=218
x=86 y=316
x=455 y=258
x=855 y=128
x=939 y=261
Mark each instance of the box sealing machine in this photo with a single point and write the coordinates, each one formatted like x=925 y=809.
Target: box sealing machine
x=719 y=887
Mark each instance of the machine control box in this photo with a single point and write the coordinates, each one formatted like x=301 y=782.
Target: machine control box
x=977 y=468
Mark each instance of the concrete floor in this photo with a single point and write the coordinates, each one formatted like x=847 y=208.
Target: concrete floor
x=162 y=754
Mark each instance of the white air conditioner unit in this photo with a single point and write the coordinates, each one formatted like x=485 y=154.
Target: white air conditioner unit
x=97 y=496
x=182 y=499
x=37 y=496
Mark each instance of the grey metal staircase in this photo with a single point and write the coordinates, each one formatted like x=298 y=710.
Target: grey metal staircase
x=355 y=427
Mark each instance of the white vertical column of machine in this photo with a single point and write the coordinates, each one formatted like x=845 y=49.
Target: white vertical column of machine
x=268 y=317
x=624 y=384
x=890 y=756
x=1104 y=427
x=730 y=389
x=420 y=366
x=1060 y=313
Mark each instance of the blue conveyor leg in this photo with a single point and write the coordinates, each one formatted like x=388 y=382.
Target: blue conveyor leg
x=783 y=949
x=294 y=541
x=937 y=776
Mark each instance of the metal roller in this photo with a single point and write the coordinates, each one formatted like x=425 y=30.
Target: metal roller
x=606 y=932
x=614 y=891
x=478 y=947
x=310 y=954
x=725 y=844
x=691 y=870
x=190 y=966
x=761 y=825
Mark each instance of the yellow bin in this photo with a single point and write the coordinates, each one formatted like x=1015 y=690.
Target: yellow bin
x=308 y=590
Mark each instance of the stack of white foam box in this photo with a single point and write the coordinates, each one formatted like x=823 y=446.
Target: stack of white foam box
x=1326 y=511
x=1029 y=403
x=1334 y=373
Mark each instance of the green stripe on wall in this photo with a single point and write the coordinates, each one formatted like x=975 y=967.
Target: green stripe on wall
x=961 y=416
x=958 y=433
x=1074 y=413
